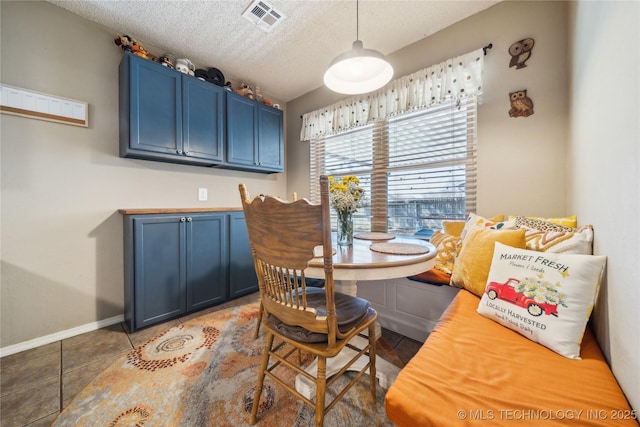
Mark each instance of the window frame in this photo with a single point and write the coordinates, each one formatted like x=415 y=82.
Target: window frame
x=375 y=215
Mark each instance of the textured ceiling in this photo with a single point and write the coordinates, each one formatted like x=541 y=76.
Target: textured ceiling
x=290 y=60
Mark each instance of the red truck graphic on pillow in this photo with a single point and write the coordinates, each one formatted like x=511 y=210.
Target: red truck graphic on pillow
x=535 y=295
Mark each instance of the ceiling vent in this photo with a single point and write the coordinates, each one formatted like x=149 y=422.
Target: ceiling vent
x=263 y=15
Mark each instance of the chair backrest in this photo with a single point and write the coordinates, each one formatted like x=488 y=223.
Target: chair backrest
x=283 y=236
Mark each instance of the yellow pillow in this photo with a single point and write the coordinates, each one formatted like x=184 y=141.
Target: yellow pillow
x=453 y=228
x=567 y=221
x=472 y=265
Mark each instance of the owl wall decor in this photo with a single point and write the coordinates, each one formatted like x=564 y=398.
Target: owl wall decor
x=521 y=104
x=520 y=52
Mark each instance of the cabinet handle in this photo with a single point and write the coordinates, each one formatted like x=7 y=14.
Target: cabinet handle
x=189 y=219
x=183 y=219
x=179 y=151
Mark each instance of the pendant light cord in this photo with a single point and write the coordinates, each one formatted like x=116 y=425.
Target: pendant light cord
x=357 y=19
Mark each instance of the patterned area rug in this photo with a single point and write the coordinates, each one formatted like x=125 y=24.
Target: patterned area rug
x=203 y=373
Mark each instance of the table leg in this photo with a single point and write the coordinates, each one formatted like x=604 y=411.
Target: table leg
x=385 y=372
x=350 y=287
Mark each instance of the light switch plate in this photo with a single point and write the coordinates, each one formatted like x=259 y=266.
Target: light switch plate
x=202 y=194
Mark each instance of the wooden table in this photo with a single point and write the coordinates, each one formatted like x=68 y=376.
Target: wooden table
x=359 y=262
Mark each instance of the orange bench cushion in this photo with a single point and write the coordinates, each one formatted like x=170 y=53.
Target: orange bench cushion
x=517 y=382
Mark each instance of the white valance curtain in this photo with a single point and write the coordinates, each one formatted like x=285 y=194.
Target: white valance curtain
x=453 y=79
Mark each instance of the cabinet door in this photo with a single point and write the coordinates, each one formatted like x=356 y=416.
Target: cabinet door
x=206 y=260
x=270 y=138
x=159 y=268
x=242 y=132
x=155 y=107
x=242 y=273
x=202 y=119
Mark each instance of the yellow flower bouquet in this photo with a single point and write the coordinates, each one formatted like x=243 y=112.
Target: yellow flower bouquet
x=346 y=197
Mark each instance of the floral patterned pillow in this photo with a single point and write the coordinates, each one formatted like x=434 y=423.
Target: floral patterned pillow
x=448 y=248
x=449 y=241
x=546 y=297
x=548 y=237
x=539 y=224
x=567 y=221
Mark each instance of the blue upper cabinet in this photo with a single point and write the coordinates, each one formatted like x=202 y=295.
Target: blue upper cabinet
x=202 y=120
x=169 y=116
x=255 y=140
x=242 y=131
x=270 y=138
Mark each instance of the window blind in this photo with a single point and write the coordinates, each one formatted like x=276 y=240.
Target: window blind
x=417 y=168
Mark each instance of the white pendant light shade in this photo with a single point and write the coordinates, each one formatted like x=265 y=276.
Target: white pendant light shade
x=358 y=71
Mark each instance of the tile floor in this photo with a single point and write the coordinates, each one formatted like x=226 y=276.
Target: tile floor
x=36 y=384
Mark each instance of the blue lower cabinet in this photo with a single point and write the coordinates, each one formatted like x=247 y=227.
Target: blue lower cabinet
x=242 y=273
x=180 y=263
x=206 y=260
x=159 y=276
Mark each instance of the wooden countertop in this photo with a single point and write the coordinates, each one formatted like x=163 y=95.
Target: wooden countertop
x=150 y=211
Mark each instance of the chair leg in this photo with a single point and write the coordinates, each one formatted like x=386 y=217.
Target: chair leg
x=321 y=387
x=263 y=368
x=259 y=322
x=372 y=358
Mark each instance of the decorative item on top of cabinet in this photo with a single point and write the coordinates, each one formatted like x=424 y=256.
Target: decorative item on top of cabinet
x=129 y=44
x=521 y=104
x=168 y=60
x=246 y=90
x=212 y=75
x=185 y=66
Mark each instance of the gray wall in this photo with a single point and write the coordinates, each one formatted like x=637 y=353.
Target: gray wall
x=61 y=235
x=603 y=161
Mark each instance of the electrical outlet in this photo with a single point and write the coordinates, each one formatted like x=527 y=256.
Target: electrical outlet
x=202 y=194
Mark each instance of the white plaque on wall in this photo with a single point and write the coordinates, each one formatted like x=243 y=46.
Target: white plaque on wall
x=27 y=103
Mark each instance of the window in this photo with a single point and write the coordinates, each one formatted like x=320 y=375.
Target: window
x=417 y=169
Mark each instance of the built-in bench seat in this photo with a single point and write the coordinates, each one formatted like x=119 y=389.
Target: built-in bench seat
x=473 y=371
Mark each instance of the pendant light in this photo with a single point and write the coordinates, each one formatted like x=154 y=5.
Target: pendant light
x=359 y=70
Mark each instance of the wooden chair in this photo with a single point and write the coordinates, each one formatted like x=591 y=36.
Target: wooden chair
x=294 y=197
x=319 y=283
x=283 y=236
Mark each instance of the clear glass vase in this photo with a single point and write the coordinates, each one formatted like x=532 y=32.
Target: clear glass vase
x=345 y=229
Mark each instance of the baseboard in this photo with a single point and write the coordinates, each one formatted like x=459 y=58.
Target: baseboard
x=58 y=336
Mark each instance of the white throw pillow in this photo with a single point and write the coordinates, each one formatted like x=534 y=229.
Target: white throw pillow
x=474 y=220
x=546 y=297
